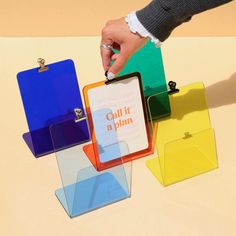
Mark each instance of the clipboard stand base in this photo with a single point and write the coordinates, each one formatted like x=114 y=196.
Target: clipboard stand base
x=39 y=146
x=40 y=141
x=107 y=191
x=185 y=158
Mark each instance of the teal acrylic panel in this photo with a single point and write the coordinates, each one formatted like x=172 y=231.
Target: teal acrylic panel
x=148 y=62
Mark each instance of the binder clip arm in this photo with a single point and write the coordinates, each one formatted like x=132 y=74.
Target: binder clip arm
x=172 y=87
x=79 y=115
x=187 y=135
x=42 y=66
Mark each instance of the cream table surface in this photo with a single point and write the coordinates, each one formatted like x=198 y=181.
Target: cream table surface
x=204 y=205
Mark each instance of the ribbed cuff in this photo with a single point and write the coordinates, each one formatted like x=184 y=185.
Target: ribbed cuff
x=160 y=17
x=157 y=20
x=135 y=26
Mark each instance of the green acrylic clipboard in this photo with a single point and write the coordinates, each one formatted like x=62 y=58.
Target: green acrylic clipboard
x=148 y=62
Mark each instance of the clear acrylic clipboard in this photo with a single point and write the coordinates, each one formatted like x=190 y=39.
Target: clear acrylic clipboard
x=153 y=77
x=84 y=188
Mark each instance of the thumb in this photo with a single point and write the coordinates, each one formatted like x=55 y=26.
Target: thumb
x=117 y=66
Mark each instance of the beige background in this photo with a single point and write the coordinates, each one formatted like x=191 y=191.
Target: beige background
x=202 y=206
x=77 y=17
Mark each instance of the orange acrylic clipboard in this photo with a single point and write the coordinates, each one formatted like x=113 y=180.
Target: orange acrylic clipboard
x=92 y=149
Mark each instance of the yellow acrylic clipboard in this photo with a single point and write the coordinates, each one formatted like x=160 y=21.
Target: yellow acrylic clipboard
x=185 y=141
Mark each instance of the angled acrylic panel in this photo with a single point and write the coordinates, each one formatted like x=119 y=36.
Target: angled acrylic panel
x=125 y=121
x=148 y=62
x=185 y=142
x=109 y=146
x=48 y=97
x=84 y=188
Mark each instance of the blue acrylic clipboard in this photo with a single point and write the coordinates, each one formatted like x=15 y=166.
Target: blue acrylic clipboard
x=49 y=95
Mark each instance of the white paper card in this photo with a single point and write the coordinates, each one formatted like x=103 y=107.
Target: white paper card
x=123 y=117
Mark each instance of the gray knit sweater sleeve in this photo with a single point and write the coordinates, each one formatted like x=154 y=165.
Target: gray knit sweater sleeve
x=160 y=17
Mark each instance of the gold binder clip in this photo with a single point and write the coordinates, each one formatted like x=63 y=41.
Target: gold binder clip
x=42 y=66
x=79 y=115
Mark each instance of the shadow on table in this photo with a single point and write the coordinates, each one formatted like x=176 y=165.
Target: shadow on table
x=222 y=93
x=219 y=94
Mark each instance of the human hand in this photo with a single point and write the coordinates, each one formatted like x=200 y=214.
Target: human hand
x=117 y=34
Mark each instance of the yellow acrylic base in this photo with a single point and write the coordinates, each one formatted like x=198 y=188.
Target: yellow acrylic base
x=185 y=158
